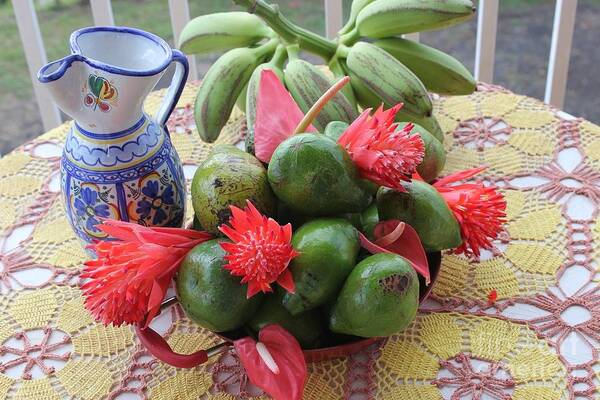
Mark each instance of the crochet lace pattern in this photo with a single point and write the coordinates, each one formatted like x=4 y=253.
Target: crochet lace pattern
x=537 y=340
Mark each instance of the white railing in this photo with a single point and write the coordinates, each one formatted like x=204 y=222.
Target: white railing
x=485 y=48
x=556 y=80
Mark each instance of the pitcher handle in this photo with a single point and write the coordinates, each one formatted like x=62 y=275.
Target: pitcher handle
x=175 y=89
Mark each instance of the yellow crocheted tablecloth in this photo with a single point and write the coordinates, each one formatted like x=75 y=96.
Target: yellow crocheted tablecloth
x=537 y=341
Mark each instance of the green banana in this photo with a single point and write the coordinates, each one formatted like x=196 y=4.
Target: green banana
x=388 y=79
x=355 y=8
x=222 y=31
x=222 y=85
x=386 y=18
x=307 y=83
x=336 y=68
x=364 y=96
x=241 y=100
x=276 y=65
x=439 y=72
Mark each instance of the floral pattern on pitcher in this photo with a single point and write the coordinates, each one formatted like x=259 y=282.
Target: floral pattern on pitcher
x=90 y=203
x=157 y=201
x=101 y=93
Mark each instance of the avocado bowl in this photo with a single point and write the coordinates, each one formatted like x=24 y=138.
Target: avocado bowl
x=334 y=347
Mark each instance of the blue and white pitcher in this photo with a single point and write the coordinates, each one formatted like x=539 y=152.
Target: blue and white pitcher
x=118 y=162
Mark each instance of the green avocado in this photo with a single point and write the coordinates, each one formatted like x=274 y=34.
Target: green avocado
x=429 y=123
x=209 y=294
x=307 y=327
x=335 y=129
x=435 y=155
x=369 y=218
x=313 y=175
x=424 y=209
x=379 y=298
x=328 y=248
x=229 y=176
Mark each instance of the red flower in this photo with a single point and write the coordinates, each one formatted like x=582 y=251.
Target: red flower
x=129 y=279
x=492 y=297
x=275 y=363
x=277 y=115
x=382 y=153
x=397 y=237
x=479 y=209
x=261 y=250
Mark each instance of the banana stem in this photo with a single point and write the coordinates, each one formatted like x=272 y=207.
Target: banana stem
x=310 y=116
x=289 y=31
x=342 y=51
x=347 y=27
x=267 y=48
x=279 y=57
x=350 y=38
x=335 y=66
x=293 y=51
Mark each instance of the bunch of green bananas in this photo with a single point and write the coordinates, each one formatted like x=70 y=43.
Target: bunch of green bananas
x=384 y=68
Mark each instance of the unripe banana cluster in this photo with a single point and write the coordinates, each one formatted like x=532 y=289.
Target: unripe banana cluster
x=384 y=68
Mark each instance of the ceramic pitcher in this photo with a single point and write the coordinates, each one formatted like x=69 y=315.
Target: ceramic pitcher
x=118 y=162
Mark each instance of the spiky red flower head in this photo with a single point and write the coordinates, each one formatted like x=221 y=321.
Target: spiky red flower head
x=382 y=153
x=480 y=210
x=260 y=251
x=129 y=278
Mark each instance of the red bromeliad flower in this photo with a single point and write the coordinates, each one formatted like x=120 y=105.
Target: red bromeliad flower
x=129 y=279
x=277 y=115
x=393 y=236
x=382 y=153
x=260 y=252
x=479 y=209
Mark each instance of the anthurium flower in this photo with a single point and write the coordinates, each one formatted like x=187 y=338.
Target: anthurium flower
x=480 y=210
x=260 y=251
x=382 y=153
x=397 y=237
x=277 y=115
x=275 y=363
x=130 y=276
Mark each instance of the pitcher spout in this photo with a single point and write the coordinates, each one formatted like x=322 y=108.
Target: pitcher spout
x=59 y=77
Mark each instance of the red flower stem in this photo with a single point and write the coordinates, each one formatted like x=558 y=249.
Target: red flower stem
x=318 y=106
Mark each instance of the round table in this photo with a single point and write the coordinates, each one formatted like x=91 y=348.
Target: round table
x=537 y=340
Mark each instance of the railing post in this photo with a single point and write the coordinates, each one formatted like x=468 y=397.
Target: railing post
x=487 y=22
x=412 y=36
x=560 y=52
x=102 y=12
x=180 y=15
x=33 y=45
x=333 y=17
